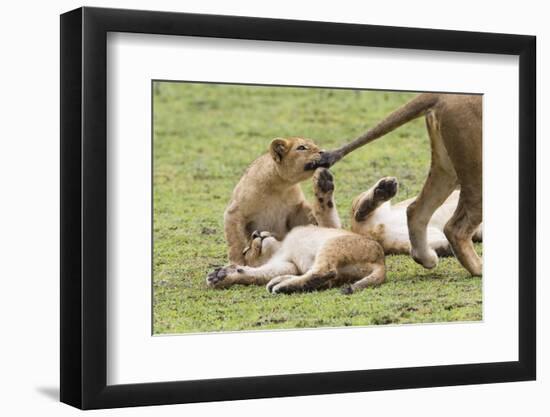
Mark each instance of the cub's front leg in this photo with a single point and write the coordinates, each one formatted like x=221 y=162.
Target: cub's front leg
x=324 y=206
x=245 y=275
x=235 y=235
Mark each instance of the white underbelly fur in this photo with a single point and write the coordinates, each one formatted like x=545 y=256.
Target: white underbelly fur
x=302 y=244
x=395 y=233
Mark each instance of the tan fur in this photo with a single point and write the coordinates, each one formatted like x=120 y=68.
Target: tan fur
x=309 y=258
x=374 y=215
x=454 y=123
x=268 y=197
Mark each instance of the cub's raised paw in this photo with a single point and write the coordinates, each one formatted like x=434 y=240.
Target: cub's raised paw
x=323 y=188
x=386 y=188
x=323 y=181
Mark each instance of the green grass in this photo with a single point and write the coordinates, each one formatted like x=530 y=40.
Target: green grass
x=204 y=138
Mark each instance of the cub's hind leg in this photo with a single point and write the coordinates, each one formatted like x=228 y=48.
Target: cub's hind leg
x=277 y=280
x=342 y=259
x=376 y=275
x=367 y=202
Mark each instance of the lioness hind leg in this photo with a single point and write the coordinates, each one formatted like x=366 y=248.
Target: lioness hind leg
x=461 y=131
x=440 y=183
x=460 y=230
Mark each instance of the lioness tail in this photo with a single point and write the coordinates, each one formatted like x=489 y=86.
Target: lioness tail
x=417 y=107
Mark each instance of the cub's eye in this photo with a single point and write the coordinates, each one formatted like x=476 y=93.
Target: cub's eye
x=301 y=148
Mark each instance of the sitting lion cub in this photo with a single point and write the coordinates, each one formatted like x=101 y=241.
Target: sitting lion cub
x=309 y=258
x=269 y=197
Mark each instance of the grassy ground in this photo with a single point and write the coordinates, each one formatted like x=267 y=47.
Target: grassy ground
x=204 y=138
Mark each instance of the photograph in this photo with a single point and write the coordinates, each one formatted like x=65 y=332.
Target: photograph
x=258 y=206
x=300 y=207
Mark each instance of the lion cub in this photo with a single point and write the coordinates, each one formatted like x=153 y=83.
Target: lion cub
x=309 y=258
x=374 y=215
x=269 y=197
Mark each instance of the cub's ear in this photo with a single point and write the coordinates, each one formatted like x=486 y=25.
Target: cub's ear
x=279 y=148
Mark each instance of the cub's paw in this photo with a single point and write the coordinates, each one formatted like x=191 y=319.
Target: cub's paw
x=283 y=285
x=385 y=189
x=323 y=186
x=323 y=180
x=346 y=290
x=276 y=281
x=283 y=289
x=219 y=277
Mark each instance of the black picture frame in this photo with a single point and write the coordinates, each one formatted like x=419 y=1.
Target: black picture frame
x=84 y=207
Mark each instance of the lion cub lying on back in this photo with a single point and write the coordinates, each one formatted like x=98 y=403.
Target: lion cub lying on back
x=374 y=215
x=309 y=258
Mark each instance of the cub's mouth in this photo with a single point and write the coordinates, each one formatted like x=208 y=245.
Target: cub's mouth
x=326 y=160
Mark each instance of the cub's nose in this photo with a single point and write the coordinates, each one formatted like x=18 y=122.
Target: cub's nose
x=255 y=234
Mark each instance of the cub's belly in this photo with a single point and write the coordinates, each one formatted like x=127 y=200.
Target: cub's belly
x=389 y=228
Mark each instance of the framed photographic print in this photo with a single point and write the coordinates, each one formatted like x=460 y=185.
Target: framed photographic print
x=257 y=207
